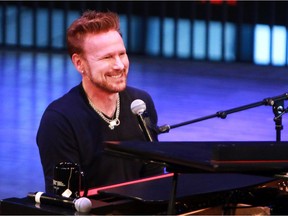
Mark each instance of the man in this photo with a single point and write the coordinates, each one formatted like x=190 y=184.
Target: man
x=73 y=127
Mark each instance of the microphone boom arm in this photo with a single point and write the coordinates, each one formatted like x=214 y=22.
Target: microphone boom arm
x=223 y=114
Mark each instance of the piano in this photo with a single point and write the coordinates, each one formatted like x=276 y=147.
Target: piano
x=212 y=178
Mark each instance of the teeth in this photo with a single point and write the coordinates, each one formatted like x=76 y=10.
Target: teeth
x=117 y=76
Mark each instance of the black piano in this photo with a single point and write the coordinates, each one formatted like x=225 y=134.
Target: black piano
x=212 y=178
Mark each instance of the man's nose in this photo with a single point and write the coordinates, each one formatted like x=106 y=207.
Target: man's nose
x=118 y=64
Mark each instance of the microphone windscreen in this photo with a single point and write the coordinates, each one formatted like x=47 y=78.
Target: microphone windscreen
x=83 y=204
x=138 y=107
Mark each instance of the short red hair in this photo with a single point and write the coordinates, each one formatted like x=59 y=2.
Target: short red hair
x=91 y=22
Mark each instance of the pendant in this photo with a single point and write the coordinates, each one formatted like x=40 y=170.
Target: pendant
x=114 y=123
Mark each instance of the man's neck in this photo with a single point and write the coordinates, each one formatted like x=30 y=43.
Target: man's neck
x=102 y=100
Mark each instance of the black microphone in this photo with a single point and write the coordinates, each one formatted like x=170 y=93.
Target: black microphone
x=138 y=107
x=82 y=204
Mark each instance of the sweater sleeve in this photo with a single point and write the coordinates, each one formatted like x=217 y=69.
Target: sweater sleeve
x=56 y=143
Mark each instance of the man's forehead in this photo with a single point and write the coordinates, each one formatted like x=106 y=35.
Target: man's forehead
x=103 y=43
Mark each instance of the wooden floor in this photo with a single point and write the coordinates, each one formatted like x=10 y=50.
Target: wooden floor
x=182 y=91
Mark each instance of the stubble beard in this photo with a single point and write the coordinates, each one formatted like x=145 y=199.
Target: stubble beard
x=112 y=87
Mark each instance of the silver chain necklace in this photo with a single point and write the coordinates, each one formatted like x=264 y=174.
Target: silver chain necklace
x=111 y=122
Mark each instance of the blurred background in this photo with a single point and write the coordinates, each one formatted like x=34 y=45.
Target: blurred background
x=195 y=58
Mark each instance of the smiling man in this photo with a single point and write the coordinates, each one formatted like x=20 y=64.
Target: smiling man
x=73 y=127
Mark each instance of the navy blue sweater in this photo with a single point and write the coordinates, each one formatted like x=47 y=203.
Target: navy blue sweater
x=71 y=131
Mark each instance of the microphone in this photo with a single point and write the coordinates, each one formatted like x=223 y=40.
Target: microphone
x=82 y=204
x=138 y=107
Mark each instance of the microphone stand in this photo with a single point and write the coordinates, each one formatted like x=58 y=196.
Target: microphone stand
x=277 y=102
x=278 y=109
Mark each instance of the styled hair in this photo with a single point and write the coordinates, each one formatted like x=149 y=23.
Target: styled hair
x=91 y=22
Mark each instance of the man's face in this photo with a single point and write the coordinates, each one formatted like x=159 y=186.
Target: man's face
x=106 y=63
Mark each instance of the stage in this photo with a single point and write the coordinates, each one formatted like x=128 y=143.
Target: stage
x=182 y=90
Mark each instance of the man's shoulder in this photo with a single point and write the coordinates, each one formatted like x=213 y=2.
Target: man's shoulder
x=69 y=101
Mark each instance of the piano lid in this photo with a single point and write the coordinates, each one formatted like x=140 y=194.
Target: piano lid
x=248 y=157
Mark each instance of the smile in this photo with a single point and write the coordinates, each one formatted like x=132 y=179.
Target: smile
x=116 y=76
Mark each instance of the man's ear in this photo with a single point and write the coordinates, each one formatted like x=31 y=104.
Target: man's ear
x=78 y=62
